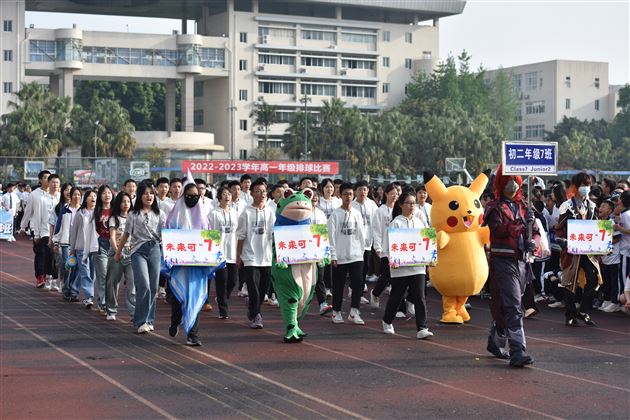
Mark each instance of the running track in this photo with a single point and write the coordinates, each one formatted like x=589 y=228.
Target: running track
x=58 y=360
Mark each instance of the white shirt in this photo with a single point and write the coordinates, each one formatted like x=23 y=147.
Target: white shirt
x=206 y=206
x=11 y=202
x=39 y=206
x=247 y=197
x=255 y=229
x=367 y=209
x=402 y=222
x=624 y=244
x=226 y=223
x=424 y=213
x=551 y=218
x=318 y=217
x=381 y=224
x=239 y=206
x=346 y=236
x=166 y=205
x=328 y=206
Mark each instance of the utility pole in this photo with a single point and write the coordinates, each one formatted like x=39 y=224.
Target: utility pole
x=306 y=100
x=95 y=152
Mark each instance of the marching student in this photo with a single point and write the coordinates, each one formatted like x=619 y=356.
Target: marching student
x=410 y=279
x=206 y=203
x=130 y=187
x=246 y=183
x=144 y=227
x=423 y=207
x=54 y=220
x=63 y=227
x=79 y=241
x=368 y=209
x=610 y=264
x=253 y=250
x=237 y=203
x=100 y=224
x=347 y=244
x=224 y=219
x=327 y=201
x=164 y=202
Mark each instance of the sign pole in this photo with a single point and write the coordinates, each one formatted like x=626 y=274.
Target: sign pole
x=530 y=226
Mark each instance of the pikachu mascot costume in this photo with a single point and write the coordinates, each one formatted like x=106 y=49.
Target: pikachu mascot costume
x=462 y=267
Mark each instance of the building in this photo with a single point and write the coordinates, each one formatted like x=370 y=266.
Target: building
x=552 y=90
x=242 y=52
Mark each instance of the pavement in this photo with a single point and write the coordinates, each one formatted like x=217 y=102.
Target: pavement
x=59 y=360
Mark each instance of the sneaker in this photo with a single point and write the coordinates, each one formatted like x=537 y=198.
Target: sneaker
x=48 y=283
x=400 y=314
x=88 y=303
x=266 y=299
x=556 y=305
x=102 y=310
x=151 y=327
x=162 y=292
x=111 y=317
x=324 y=308
x=586 y=318
x=173 y=330
x=223 y=317
x=364 y=301
x=274 y=300
x=538 y=298
x=371 y=279
x=388 y=290
x=193 y=342
x=604 y=304
x=328 y=293
x=374 y=301
x=530 y=312
x=355 y=317
x=613 y=307
x=424 y=333
x=40 y=281
x=388 y=328
x=73 y=299
x=411 y=309
x=243 y=291
x=365 y=289
x=55 y=285
x=337 y=318
x=520 y=359
x=144 y=328
x=429 y=284
x=256 y=323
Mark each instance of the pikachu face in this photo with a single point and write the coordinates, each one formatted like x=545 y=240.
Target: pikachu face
x=457 y=208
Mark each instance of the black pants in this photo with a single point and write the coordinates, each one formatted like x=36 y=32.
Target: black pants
x=367 y=263
x=588 y=292
x=320 y=287
x=176 y=315
x=354 y=270
x=538 y=267
x=610 y=285
x=384 y=278
x=257 y=280
x=328 y=276
x=225 y=280
x=44 y=258
x=414 y=285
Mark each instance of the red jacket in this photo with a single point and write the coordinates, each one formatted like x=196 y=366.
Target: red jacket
x=506 y=229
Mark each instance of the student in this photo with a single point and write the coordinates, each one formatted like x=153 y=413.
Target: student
x=609 y=264
x=423 y=207
x=206 y=203
x=116 y=269
x=63 y=227
x=224 y=219
x=327 y=201
x=253 y=251
x=164 y=202
x=237 y=203
x=277 y=192
x=54 y=220
x=174 y=190
x=622 y=224
x=246 y=182
x=78 y=243
x=130 y=187
x=409 y=279
x=347 y=243
x=144 y=227
x=100 y=224
x=368 y=209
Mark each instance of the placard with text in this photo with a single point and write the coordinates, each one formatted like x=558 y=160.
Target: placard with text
x=6 y=225
x=410 y=247
x=589 y=237
x=300 y=244
x=192 y=247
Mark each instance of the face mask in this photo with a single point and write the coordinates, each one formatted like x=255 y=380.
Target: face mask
x=511 y=187
x=191 y=201
x=584 y=190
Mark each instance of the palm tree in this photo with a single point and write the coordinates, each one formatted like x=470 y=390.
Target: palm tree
x=264 y=115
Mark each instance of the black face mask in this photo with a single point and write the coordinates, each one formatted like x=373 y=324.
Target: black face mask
x=191 y=201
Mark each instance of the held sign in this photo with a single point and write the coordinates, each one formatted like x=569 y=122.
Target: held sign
x=300 y=244
x=6 y=225
x=589 y=237
x=412 y=247
x=529 y=158
x=192 y=247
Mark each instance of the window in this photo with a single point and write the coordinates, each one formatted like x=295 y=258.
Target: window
x=317 y=89
x=243 y=37
x=284 y=116
x=518 y=133
x=536 y=107
x=212 y=57
x=567 y=81
x=358 y=91
x=198 y=88
x=408 y=37
x=531 y=80
x=198 y=117
x=242 y=65
x=597 y=82
x=406 y=89
x=596 y=104
x=386 y=36
x=408 y=63
x=286 y=88
x=319 y=35
x=7 y=87
x=348 y=63
x=243 y=125
x=276 y=59
x=519 y=114
x=567 y=103
x=7 y=25
x=42 y=51
x=242 y=94
x=385 y=61
x=8 y=55
x=534 y=131
x=385 y=87
x=319 y=62
x=517 y=80
x=361 y=38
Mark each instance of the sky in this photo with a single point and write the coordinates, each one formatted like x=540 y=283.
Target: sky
x=497 y=33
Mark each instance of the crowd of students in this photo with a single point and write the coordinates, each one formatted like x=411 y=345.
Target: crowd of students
x=88 y=241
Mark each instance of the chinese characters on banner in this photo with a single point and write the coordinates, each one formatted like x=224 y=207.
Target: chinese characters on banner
x=259 y=167
x=589 y=237
x=192 y=247
x=6 y=225
x=529 y=158
x=412 y=247
x=300 y=244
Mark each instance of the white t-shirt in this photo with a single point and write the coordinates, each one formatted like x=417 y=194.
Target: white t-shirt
x=624 y=244
x=367 y=209
x=346 y=236
x=226 y=222
x=166 y=205
x=402 y=222
x=255 y=229
x=328 y=206
x=424 y=213
x=381 y=223
x=239 y=206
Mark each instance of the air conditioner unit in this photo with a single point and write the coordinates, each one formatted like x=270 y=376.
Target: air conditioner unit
x=265 y=39
x=261 y=68
x=302 y=70
x=343 y=72
x=332 y=46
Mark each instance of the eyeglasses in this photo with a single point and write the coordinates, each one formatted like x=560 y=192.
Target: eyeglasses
x=192 y=196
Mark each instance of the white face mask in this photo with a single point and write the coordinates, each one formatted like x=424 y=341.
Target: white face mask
x=584 y=190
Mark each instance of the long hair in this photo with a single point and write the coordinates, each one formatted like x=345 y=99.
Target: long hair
x=397 y=210
x=560 y=193
x=86 y=194
x=142 y=188
x=98 y=209
x=116 y=206
x=386 y=190
x=62 y=201
x=576 y=181
x=500 y=181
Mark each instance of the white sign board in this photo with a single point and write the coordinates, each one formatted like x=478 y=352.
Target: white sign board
x=589 y=237
x=412 y=247
x=299 y=244
x=192 y=247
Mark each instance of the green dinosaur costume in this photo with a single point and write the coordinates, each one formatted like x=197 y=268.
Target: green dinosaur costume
x=294 y=285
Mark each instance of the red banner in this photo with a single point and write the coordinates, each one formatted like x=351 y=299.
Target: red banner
x=260 y=167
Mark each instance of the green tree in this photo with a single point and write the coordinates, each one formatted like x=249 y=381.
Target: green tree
x=294 y=136
x=264 y=115
x=155 y=156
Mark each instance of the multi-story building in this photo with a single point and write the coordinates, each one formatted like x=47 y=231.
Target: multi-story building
x=552 y=90
x=243 y=52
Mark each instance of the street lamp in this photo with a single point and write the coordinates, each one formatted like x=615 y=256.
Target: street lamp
x=95 y=154
x=305 y=100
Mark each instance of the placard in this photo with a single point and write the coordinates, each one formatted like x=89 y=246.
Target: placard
x=589 y=237
x=6 y=225
x=192 y=247
x=410 y=247
x=529 y=158
x=300 y=244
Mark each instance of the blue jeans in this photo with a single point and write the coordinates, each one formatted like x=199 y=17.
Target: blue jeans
x=146 y=277
x=115 y=271
x=85 y=277
x=100 y=259
x=68 y=277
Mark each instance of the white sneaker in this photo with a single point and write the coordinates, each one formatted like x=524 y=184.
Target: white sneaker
x=603 y=305
x=388 y=328
x=374 y=301
x=274 y=300
x=266 y=299
x=328 y=293
x=355 y=317
x=429 y=284
x=243 y=292
x=559 y=304
x=424 y=333
x=400 y=315
x=144 y=328
x=111 y=317
x=613 y=307
x=364 y=287
x=349 y=293
x=337 y=318
x=539 y=298
x=372 y=278
x=151 y=327
x=364 y=301
x=48 y=284
x=162 y=292
x=388 y=290
x=55 y=285
x=411 y=309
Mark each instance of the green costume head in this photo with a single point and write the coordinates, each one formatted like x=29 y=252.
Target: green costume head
x=295 y=208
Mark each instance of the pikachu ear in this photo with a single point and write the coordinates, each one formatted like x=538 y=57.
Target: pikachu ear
x=434 y=186
x=479 y=184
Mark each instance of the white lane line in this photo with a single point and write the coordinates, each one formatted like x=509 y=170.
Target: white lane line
x=108 y=378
